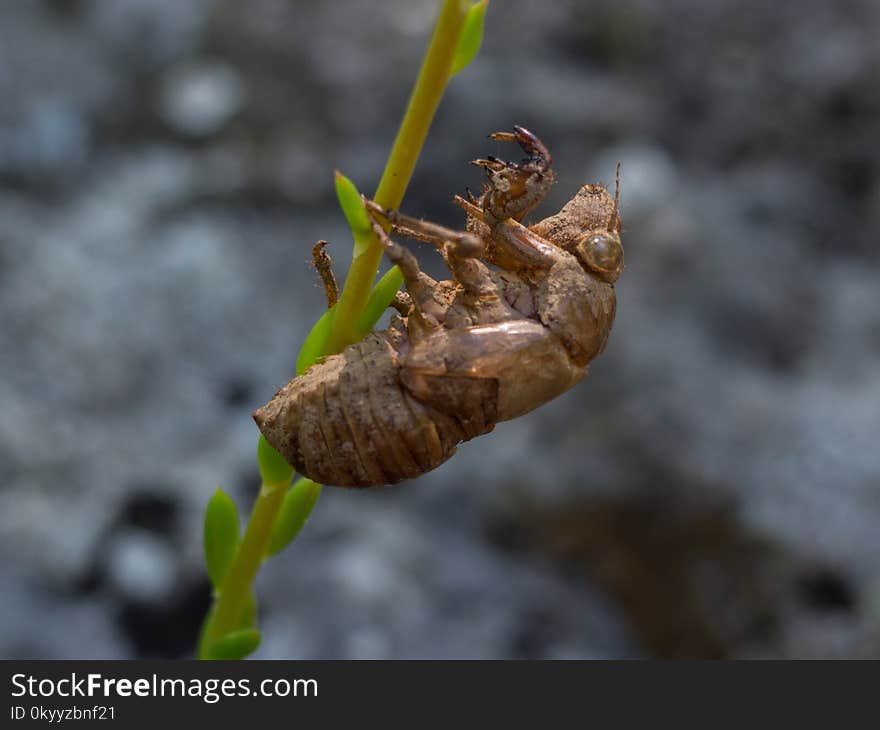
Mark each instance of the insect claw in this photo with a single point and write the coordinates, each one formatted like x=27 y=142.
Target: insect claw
x=469 y=207
x=391 y=247
x=536 y=150
x=504 y=136
x=490 y=163
x=374 y=209
x=502 y=163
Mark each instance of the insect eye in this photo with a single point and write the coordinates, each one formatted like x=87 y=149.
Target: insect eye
x=602 y=254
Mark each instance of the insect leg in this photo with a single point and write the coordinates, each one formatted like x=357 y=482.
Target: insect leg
x=460 y=243
x=516 y=243
x=324 y=266
x=419 y=285
x=460 y=249
x=513 y=245
x=470 y=206
x=473 y=275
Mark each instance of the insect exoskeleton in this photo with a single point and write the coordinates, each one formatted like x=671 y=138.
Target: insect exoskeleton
x=526 y=310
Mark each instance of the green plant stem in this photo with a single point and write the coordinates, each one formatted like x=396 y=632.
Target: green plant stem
x=236 y=586
x=428 y=91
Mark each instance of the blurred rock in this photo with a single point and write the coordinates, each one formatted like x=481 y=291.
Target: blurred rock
x=57 y=626
x=198 y=100
x=53 y=137
x=141 y=567
x=148 y=32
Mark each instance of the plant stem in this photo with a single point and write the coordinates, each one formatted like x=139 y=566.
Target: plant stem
x=232 y=597
x=427 y=93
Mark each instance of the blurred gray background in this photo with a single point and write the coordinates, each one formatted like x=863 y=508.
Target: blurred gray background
x=712 y=489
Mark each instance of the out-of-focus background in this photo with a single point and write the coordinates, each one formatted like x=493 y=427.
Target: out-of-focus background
x=712 y=489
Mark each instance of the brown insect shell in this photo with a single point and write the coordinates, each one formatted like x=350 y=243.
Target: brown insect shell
x=591 y=213
x=592 y=209
x=390 y=408
x=579 y=311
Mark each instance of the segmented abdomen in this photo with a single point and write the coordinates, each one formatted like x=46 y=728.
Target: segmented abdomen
x=348 y=421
